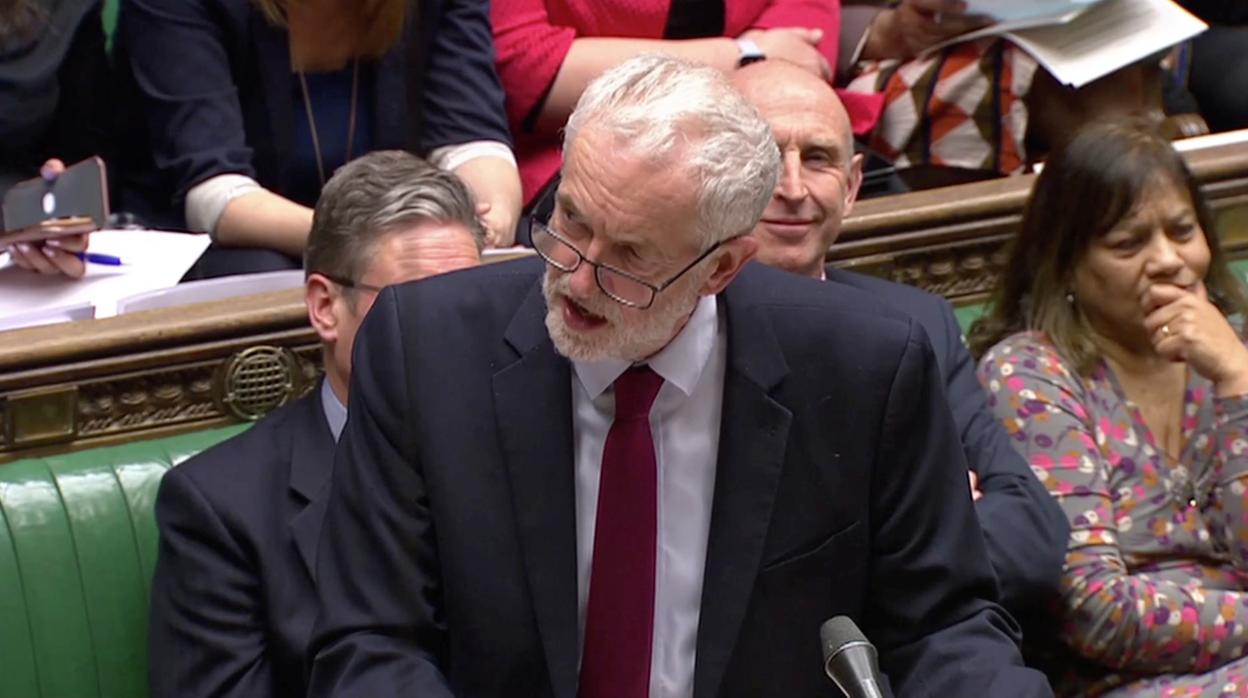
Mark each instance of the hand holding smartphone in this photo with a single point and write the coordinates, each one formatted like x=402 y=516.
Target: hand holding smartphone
x=46 y=220
x=74 y=202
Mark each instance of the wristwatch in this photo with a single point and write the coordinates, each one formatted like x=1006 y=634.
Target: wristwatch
x=748 y=53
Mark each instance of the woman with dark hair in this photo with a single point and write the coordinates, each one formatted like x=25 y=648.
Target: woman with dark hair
x=53 y=104
x=244 y=108
x=1110 y=358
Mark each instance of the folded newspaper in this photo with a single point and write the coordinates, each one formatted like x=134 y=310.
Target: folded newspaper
x=1078 y=41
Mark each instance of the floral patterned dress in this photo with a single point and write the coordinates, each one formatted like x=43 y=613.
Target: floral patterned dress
x=1155 y=588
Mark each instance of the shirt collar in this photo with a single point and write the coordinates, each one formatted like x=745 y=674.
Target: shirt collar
x=680 y=363
x=335 y=411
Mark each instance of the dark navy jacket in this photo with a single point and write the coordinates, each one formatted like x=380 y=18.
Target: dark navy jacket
x=447 y=564
x=207 y=86
x=1025 y=530
x=232 y=599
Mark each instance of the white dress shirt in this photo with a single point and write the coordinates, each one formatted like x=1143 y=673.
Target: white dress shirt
x=684 y=423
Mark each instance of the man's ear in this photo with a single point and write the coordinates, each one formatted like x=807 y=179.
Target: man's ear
x=855 y=182
x=731 y=258
x=321 y=297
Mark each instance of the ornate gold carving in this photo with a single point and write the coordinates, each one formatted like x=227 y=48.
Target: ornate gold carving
x=161 y=398
x=156 y=398
x=44 y=415
x=310 y=368
x=953 y=272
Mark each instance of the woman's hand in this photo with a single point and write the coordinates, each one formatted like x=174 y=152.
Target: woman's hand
x=495 y=183
x=797 y=45
x=500 y=227
x=57 y=255
x=914 y=25
x=491 y=227
x=1184 y=326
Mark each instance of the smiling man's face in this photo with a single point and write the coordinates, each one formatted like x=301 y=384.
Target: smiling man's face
x=819 y=175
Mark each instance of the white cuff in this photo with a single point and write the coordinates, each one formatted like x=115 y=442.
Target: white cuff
x=206 y=201
x=451 y=157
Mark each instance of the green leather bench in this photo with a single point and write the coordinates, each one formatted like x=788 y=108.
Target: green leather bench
x=77 y=553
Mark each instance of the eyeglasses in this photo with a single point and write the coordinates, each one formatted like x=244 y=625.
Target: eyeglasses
x=619 y=285
x=348 y=283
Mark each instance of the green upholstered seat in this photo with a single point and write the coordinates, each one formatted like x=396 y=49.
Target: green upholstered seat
x=968 y=314
x=77 y=552
x=108 y=14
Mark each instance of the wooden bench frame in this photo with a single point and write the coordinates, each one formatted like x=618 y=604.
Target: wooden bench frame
x=952 y=241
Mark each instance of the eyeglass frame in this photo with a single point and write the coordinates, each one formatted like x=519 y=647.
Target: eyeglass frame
x=538 y=226
x=348 y=283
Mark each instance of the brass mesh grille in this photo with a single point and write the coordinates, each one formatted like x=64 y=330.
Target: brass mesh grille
x=257 y=381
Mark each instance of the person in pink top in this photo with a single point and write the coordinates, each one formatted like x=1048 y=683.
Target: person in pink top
x=548 y=50
x=1113 y=355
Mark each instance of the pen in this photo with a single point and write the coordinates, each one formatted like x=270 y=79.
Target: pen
x=95 y=258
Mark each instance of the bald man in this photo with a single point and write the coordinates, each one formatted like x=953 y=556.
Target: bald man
x=1025 y=530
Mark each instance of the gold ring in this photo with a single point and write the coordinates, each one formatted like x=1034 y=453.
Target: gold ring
x=1165 y=330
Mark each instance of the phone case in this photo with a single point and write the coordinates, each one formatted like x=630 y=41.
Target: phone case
x=76 y=202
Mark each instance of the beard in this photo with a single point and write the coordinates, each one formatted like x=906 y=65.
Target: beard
x=628 y=334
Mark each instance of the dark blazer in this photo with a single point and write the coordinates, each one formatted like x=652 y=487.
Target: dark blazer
x=54 y=96
x=211 y=82
x=448 y=560
x=232 y=600
x=1026 y=531
x=1218 y=12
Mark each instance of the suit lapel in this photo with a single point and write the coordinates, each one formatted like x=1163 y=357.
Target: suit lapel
x=533 y=409
x=311 y=460
x=753 y=434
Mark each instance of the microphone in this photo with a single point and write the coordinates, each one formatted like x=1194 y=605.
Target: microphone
x=849 y=659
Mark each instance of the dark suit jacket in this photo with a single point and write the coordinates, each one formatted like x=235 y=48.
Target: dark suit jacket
x=448 y=560
x=54 y=99
x=1026 y=531
x=232 y=599
x=1218 y=11
x=211 y=81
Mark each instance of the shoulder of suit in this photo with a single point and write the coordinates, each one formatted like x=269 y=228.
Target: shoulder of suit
x=763 y=285
x=932 y=311
x=907 y=297
x=253 y=454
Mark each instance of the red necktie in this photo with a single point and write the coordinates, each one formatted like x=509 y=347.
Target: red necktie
x=619 y=623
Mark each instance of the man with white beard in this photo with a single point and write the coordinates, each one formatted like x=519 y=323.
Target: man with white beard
x=649 y=468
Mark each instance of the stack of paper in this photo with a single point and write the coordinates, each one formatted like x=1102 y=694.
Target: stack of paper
x=1078 y=41
x=1009 y=15
x=150 y=260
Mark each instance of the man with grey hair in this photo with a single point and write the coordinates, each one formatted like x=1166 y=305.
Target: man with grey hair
x=647 y=468
x=232 y=601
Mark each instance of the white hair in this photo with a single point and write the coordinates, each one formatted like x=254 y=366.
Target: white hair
x=666 y=107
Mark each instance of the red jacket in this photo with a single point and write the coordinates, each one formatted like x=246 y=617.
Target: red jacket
x=533 y=36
